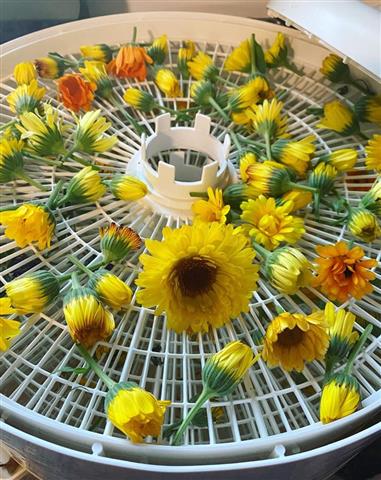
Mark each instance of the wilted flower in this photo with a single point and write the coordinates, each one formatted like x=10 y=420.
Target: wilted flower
x=118 y=242
x=50 y=67
x=95 y=72
x=75 y=92
x=130 y=62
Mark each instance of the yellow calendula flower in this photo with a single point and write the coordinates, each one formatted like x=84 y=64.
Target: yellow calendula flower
x=213 y=209
x=32 y=293
x=118 y=242
x=340 y=398
x=269 y=178
x=372 y=199
x=110 y=289
x=11 y=158
x=343 y=160
x=236 y=193
x=89 y=134
x=299 y=198
x=134 y=411
x=139 y=99
x=201 y=67
x=368 y=109
x=293 y=338
x=201 y=275
x=225 y=370
x=288 y=270
x=87 y=319
x=202 y=91
x=184 y=55
x=295 y=154
x=24 y=73
x=340 y=329
x=100 y=52
x=373 y=153
x=239 y=60
x=51 y=68
x=128 y=188
x=86 y=186
x=26 y=98
x=339 y=117
x=254 y=91
x=267 y=118
x=269 y=224
x=242 y=117
x=29 y=224
x=167 y=82
x=8 y=330
x=277 y=53
x=95 y=72
x=323 y=177
x=245 y=162
x=364 y=224
x=159 y=49
x=335 y=69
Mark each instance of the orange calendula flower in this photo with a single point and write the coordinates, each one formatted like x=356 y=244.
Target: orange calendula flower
x=75 y=92
x=342 y=272
x=213 y=209
x=131 y=62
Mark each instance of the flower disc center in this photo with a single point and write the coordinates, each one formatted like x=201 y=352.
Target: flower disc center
x=290 y=337
x=193 y=275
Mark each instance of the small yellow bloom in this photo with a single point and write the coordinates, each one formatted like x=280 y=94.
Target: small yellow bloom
x=335 y=69
x=167 y=82
x=117 y=242
x=340 y=398
x=128 y=188
x=29 y=224
x=239 y=60
x=95 y=72
x=24 y=73
x=267 y=119
x=268 y=224
x=299 y=198
x=276 y=54
x=110 y=289
x=368 y=109
x=363 y=224
x=340 y=329
x=139 y=99
x=343 y=160
x=213 y=209
x=242 y=117
x=373 y=153
x=134 y=411
x=26 y=98
x=293 y=338
x=8 y=330
x=201 y=67
x=225 y=369
x=159 y=49
x=245 y=163
x=323 y=177
x=51 y=68
x=295 y=154
x=268 y=178
x=236 y=193
x=11 y=159
x=339 y=117
x=252 y=92
x=184 y=55
x=86 y=186
x=372 y=199
x=100 y=52
x=89 y=135
x=202 y=91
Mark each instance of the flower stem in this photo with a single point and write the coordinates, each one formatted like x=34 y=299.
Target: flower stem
x=74 y=280
x=236 y=142
x=134 y=35
x=204 y=396
x=46 y=161
x=262 y=250
x=95 y=367
x=252 y=55
x=23 y=176
x=357 y=348
x=80 y=265
x=215 y=105
x=54 y=194
x=226 y=81
x=266 y=136
x=301 y=186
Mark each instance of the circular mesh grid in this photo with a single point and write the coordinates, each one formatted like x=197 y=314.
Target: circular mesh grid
x=141 y=349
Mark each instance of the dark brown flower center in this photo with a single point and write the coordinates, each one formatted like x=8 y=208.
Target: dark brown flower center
x=289 y=337
x=193 y=275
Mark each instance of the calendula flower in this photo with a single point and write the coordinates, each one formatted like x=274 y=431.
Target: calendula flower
x=372 y=199
x=184 y=55
x=335 y=69
x=299 y=198
x=341 y=335
x=43 y=134
x=202 y=91
x=95 y=72
x=100 y=52
x=118 y=242
x=242 y=117
x=342 y=272
x=245 y=162
x=339 y=117
x=89 y=135
x=292 y=339
x=368 y=109
x=267 y=119
x=11 y=158
x=76 y=93
x=239 y=60
x=288 y=270
x=343 y=160
x=323 y=177
x=269 y=178
x=201 y=275
x=134 y=411
x=32 y=293
x=340 y=398
x=87 y=320
x=167 y=82
x=128 y=188
x=363 y=224
x=269 y=224
x=139 y=99
x=84 y=187
x=201 y=67
x=24 y=73
x=213 y=209
x=26 y=98
x=48 y=67
x=295 y=154
x=130 y=62
x=237 y=193
x=110 y=289
x=224 y=370
x=277 y=53
x=8 y=330
x=254 y=91
x=159 y=49
x=29 y=224
x=373 y=153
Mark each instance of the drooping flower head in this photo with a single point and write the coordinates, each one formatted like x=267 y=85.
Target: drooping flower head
x=159 y=49
x=24 y=73
x=134 y=411
x=239 y=60
x=323 y=177
x=84 y=187
x=340 y=398
x=11 y=158
x=130 y=62
x=184 y=55
x=213 y=209
x=364 y=224
x=269 y=224
x=236 y=193
x=167 y=82
x=95 y=72
x=339 y=117
x=340 y=329
x=128 y=188
x=292 y=339
x=26 y=97
x=100 y=52
x=267 y=118
x=334 y=68
x=29 y=224
x=253 y=92
x=277 y=53
x=118 y=242
x=343 y=159
x=50 y=67
x=202 y=91
x=76 y=93
x=139 y=99
x=299 y=198
x=373 y=153
x=342 y=272
x=295 y=154
x=200 y=275
x=368 y=109
x=268 y=178
x=89 y=135
x=201 y=67
x=110 y=289
x=372 y=199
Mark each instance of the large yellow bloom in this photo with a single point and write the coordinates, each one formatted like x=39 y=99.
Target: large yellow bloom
x=167 y=82
x=213 y=209
x=200 y=275
x=29 y=224
x=89 y=135
x=26 y=97
x=24 y=73
x=338 y=117
x=267 y=118
x=134 y=411
x=110 y=289
x=269 y=224
x=295 y=154
x=364 y=224
x=201 y=67
x=373 y=153
x=239 y=60
x=252 y=92
x=293 y=338
x=128 y=188
x=340 y=398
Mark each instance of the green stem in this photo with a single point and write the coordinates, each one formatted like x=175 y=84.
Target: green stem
x=68 y=153
x=53 y=196
x=236 y=142
x=329 y=365
x=300 y=186
x=95 y=367
x=131 y=119
x=85 y=163
x=357 y=348
x=8 y=124
x=80 y=265
x=215 y=105
x=45 y=161
x=226 y=81
x=252 y=55
x=251 y=142
x=134 y=35
x=205 y=395
x=31 y=181
x=262 y=250
x=266 y=136
x=199 y=194
x=74 y=280
x=92 y=267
